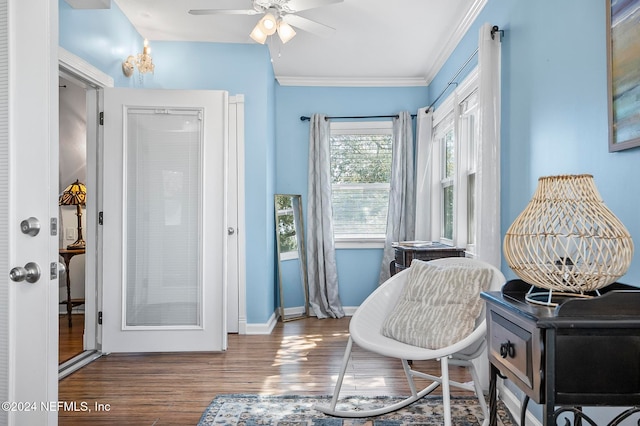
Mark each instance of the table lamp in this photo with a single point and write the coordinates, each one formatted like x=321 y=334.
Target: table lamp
x=566 y=240
x=75 y=195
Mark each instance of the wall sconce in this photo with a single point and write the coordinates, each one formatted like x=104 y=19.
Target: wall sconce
x=142 y=61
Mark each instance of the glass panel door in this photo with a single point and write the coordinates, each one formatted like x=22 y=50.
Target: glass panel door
x=165 y=234
x=163 y=189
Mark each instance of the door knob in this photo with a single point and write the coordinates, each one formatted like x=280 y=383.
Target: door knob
x=30 y=273
x=231 y=231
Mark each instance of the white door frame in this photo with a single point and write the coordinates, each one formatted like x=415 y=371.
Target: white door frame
x=93 y=80
x=236 y=295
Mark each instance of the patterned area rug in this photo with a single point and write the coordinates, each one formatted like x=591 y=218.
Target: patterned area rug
x=292 y=410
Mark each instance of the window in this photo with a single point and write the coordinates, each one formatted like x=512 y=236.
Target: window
x=360 y=176
x=455 y=140
x=469 y=135
x=445 y=137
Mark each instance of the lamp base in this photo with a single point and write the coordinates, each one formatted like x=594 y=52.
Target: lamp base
x=553 y=298
x=79 y=244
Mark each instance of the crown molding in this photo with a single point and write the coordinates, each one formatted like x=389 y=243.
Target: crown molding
x=351 y=82
x=454 y=39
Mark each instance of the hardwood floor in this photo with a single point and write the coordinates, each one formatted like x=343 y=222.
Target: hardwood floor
x=70 y=338
x=299 y=357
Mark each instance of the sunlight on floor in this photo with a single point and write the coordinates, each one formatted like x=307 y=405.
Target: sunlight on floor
x=295 y=349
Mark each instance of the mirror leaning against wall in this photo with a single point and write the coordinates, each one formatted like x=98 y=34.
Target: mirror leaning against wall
x=292 y=264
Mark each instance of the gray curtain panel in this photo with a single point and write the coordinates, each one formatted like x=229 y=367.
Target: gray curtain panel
x=402 y=200
x=321 y=254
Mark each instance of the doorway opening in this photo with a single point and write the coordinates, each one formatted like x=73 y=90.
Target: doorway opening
x=72 y=175
x=80 y=91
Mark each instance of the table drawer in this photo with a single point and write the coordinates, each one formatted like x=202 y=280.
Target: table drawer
x=514 y=349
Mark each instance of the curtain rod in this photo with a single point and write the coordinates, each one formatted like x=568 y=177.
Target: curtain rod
x=452 y=81
x=495 y=29
x=356 y=117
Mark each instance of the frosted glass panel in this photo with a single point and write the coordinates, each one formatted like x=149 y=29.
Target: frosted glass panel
x=163 y=185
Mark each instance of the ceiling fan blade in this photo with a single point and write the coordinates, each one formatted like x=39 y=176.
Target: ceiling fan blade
x=299 y=5
x=309 y=26
x=223 y=12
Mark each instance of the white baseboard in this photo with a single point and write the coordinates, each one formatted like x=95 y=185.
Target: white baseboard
x=349 y=310
x=262 y=328
x=513 y=404
x=267 y=328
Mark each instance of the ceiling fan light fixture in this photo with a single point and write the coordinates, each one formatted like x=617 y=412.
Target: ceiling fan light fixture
x=258 y=35
x=268 y=24
x=285 y=31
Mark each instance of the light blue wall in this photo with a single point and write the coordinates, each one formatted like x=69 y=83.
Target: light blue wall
x=554 y=106
x=105 y=38
x=358 y=269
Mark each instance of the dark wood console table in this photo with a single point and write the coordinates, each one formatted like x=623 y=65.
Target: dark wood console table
x=66 y=256
x=584 y=352
x=406 y=251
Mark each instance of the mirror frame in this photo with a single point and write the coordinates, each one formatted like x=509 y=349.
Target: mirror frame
x=301 y=256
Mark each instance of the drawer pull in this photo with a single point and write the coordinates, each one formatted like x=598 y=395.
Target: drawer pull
x=507 y=350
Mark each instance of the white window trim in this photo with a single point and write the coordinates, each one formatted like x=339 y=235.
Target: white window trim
x=345 y=241
x=452 y=104
x=356 y=127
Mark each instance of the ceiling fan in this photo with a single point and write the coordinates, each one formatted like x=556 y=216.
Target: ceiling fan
x=280 y=16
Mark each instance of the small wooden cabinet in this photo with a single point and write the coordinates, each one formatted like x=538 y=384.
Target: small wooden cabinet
x=406 y=251
x=584 y=352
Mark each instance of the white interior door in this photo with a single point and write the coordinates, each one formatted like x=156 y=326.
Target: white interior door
x=164 y=219
x=28 y=188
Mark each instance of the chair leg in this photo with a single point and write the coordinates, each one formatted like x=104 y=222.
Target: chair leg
x=409 y=375
x=343 y=370
x=446 y=390
x=479 y=393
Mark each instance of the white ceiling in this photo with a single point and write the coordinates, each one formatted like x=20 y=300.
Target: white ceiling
x=376 y=42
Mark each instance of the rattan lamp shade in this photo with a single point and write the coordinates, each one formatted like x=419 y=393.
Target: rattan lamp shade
x=566 y=239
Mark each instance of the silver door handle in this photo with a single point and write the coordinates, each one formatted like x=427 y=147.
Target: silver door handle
x=231 y=231
x=30 y=273
x=30 y=226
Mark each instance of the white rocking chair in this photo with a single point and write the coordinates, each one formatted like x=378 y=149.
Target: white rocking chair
x=365 y=331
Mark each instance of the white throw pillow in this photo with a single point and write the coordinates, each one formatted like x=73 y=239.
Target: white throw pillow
x=438 y=306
